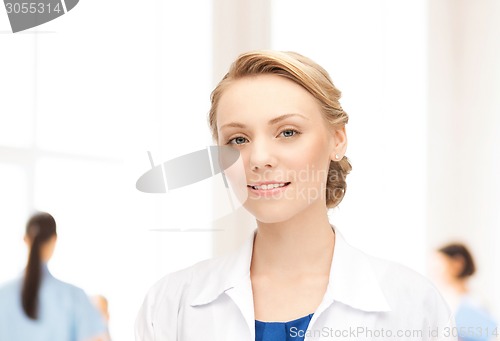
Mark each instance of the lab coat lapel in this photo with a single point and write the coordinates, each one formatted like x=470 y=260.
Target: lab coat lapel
x=231 y=275
x=242 y=296
x=352 y=284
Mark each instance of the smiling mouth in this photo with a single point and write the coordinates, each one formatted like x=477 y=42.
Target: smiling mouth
x=269 y=186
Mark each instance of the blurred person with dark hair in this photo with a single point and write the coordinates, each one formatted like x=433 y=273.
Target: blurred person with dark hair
x=455 y=266
x=39 y=307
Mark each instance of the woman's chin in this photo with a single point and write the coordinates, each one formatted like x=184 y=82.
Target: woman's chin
x=270 y=215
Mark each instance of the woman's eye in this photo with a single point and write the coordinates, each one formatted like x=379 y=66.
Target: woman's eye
x=237 y=140
x=289 y=132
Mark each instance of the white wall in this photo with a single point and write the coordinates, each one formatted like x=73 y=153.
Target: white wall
x=377 y=58
x=463 y=201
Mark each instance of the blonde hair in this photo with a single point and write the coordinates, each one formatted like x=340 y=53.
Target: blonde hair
x=311 y=77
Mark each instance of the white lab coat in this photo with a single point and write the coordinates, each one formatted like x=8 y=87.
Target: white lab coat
x=366 y=299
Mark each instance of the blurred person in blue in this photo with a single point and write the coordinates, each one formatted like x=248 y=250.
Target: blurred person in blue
x=39 y=307
x=454 y=267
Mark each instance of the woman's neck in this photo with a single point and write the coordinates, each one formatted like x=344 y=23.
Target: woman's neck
x=460 y=287
x=302 y=245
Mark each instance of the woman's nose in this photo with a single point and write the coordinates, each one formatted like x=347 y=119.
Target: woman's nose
x=262 y=156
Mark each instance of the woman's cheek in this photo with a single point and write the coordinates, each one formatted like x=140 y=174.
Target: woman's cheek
x=237 y=181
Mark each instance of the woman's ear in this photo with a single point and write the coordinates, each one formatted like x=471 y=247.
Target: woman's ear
x=339 y=143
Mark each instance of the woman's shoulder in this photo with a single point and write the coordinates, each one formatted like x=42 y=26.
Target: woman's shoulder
x=393 y=274
x=62 y=287
x=175 y=290
x=10 y=289
x=205 y=279
x=13 y=287
x=186 y=279
x=405 y=288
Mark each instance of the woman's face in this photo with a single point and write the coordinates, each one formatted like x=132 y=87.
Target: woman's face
x=446 y=269
x=285 y=144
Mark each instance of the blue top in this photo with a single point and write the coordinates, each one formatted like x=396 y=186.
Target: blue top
x=473 y=323
x=282 y=331
x=65 y=313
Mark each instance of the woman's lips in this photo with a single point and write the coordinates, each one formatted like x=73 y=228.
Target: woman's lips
x=268 y=188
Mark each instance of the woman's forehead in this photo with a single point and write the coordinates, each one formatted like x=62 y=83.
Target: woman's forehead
x=264 y=97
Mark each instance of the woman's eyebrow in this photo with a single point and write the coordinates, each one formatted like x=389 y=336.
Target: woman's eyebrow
x=233 y=125
x=271 y=122
x=283 y=117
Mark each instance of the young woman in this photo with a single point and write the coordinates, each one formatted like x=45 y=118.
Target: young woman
x=296 y=278
x=39 y=307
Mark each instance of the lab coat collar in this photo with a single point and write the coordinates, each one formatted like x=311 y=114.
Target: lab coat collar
x=352 y=280
x=224 y=274
x=230 y=275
